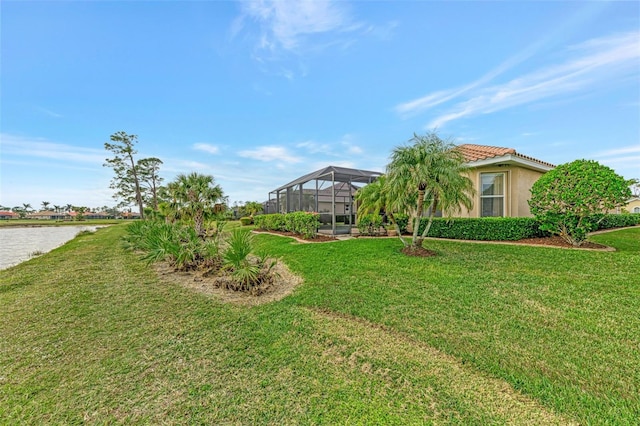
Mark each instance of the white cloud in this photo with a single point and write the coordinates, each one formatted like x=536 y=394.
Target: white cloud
x=270 y=153
x=633 y=149
x=194 y=165
x=624 y=160
x=40 y=147
x=315 y=147
x=205 y=147
x=49 y=112
x=592 y=63
x=286 y=23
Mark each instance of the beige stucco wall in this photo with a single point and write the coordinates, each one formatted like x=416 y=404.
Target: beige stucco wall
x=518 y=183
x=630 y=206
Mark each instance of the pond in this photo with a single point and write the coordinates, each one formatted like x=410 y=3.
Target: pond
x=20 y=244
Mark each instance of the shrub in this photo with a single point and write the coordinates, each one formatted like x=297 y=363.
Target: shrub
x=247 y=220
x=369 y=224
x=175 y=243
x=302 y=223
x=248 y=272
x=484 y=229
x=608 y=221
x=270 y=222
x=402 y=220
x=568 y=199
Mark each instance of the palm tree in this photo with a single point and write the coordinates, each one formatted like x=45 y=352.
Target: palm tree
x=45 y=205
x=426 y=176
x=27 y=207
x=197 y=194
x=374 y=198
x=253 y=207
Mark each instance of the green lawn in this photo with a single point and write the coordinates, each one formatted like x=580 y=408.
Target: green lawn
x=480 y=334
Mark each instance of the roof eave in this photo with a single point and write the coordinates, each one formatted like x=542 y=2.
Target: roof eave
x=511 y=160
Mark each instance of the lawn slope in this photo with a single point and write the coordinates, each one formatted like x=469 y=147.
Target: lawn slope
x=480 y=334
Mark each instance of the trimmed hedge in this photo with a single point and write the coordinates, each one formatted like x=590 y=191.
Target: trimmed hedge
x=508 y=228
x=402 y=220
x=270 y=222
x=302 y=223
x=484 y=229
x=618 y=220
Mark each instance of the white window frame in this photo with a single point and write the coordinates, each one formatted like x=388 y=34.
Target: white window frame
x=503 y=196
x=636 y=209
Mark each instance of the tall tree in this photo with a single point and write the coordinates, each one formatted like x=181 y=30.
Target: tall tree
x=197 y=194
x=148 y=170
x=56 y=208
x=427 y=175
x=126 y=181
x=27 y=207
x=45 y=205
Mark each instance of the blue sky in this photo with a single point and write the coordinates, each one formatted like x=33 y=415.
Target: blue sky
x=259 y=93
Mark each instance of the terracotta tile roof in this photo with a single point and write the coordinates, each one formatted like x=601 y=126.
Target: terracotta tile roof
x=473 y=153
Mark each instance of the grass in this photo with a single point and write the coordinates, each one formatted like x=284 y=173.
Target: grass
x=481 y=334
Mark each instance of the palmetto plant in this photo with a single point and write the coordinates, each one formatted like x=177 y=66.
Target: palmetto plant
x=175 y=243
x=236 y=259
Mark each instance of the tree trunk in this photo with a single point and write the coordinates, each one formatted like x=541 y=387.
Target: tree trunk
x=198 y=220
x=431 y=213
x=398 y=232
x=416 y=222
x=137 y=184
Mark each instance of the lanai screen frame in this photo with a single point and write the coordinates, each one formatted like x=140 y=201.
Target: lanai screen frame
x=331 y=174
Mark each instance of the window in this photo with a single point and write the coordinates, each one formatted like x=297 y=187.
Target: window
x=492 y=194
x=636 y=209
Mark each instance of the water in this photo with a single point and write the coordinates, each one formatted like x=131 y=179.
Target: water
x=18 y=244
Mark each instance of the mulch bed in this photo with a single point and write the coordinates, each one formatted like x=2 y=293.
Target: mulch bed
x=418 y=252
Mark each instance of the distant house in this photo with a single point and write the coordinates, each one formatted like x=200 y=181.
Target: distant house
x=502 y=178
x=48 y=215
x=632 y=206
x=129 y=215
x=97 y=215
x=5 y=214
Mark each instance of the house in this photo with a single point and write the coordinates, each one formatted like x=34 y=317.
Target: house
x=48 y=215
x=98 y=215
x=129 y=215
x=4 y=214
x=632 y=206
x=502 y=179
